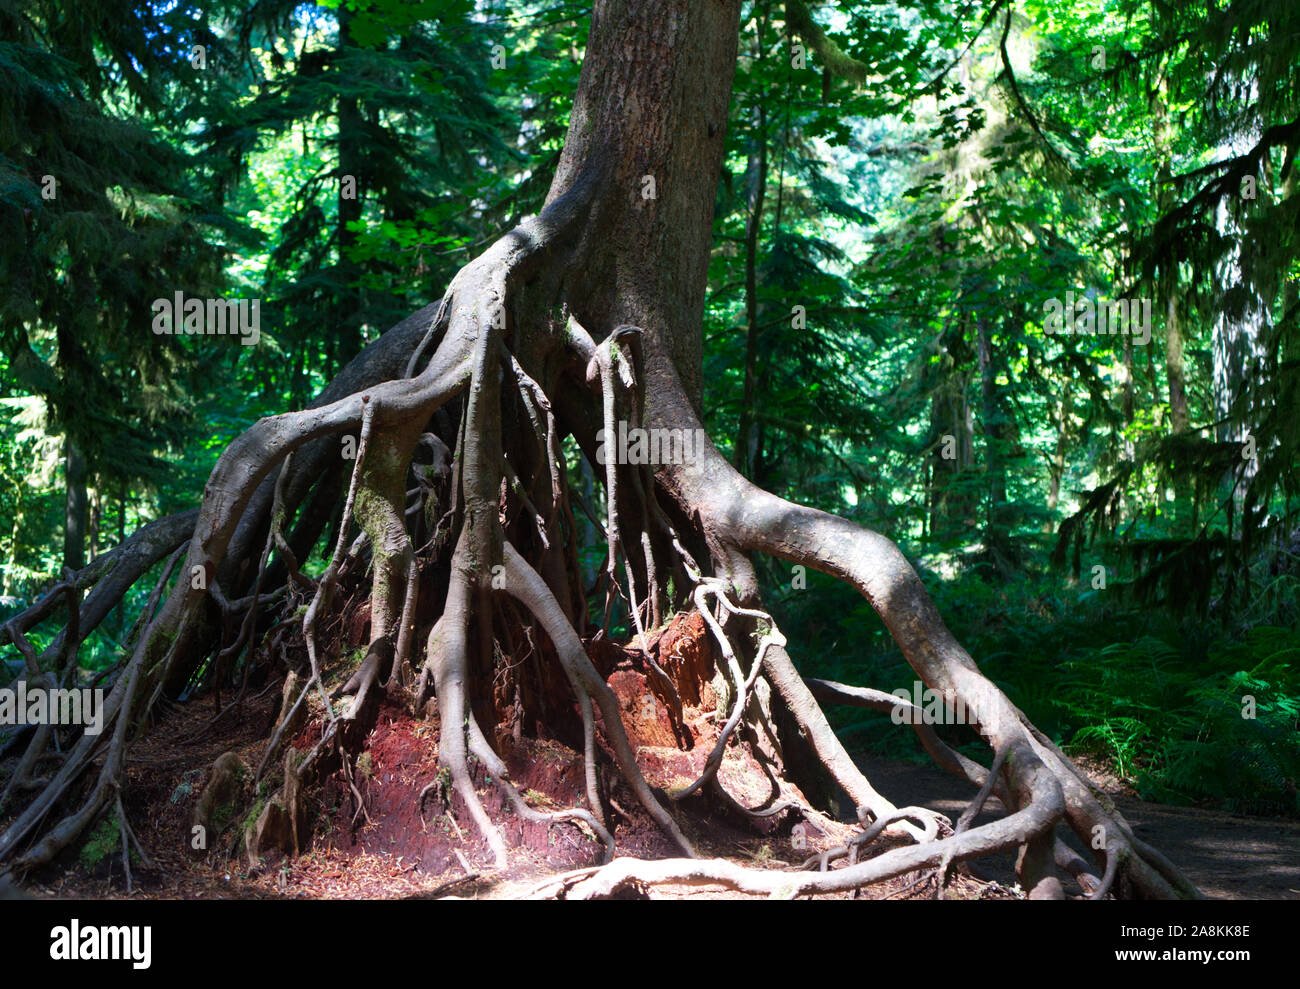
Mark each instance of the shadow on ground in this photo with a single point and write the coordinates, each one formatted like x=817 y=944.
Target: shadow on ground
x=1228 y=856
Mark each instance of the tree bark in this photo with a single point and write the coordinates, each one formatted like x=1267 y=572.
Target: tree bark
x=997 y=530
x=746 y=445
x=76 y=510
x=351 y=165
x=660 y=116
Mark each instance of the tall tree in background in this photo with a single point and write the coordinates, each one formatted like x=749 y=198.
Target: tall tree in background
x=96 y=208
x=392 y=118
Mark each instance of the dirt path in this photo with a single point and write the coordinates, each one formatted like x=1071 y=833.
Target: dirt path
x=1229 y=856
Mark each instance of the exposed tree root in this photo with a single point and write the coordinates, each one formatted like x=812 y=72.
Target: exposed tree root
x=524 y=584
x=1042 y=787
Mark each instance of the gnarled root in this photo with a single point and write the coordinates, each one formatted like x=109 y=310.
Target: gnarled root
x=1041 y=787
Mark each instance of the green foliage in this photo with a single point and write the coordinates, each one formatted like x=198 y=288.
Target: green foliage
x=103 y=842
x=1180 y=729
x=1158 y=700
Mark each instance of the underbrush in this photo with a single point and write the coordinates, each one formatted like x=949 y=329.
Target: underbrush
x=1185 y=710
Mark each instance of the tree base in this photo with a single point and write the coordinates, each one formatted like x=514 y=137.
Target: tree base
x=477 y=504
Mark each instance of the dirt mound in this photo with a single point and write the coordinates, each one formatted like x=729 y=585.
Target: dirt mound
x=671 y=726
x=400 y=764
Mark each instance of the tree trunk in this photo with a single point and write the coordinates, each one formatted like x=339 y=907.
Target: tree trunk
x=746 y=447
x=659 y=118
x=76 y=510
x=1056 y=464
x=1164 y=195
x=997 y=527
x=952 y=437
x=1179 y=420
x=351 y=184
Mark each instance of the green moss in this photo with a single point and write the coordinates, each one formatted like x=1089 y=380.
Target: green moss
x=840 y=63
x=225 y=812
x=258 y=806
x=365 y=509
x=365 y=765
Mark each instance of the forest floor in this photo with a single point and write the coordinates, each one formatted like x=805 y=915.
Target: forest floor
x=401 y=856
x=397 y=849
x=1228 y=856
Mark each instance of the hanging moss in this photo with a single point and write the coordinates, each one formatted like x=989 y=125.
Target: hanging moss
x=840 y=63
